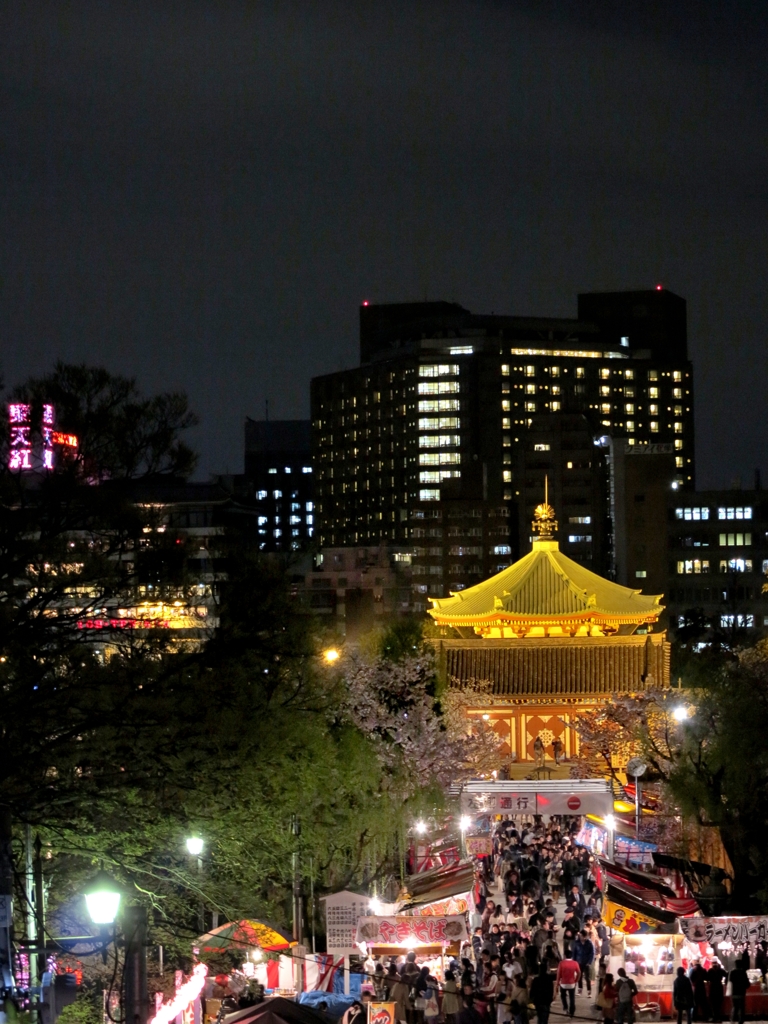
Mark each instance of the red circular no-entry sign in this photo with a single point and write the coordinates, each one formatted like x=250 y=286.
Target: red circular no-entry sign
x=574 y=803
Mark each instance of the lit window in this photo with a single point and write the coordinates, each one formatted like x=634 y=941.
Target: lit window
x=605 y=373
x=555 y=406
x=262 y=520
x=734 y=513
x=625 y=342
x=554 y=389
x=436 y=476
x=506 y=405
x=277 y=494
x=429 y=495
x=677 y=410
x=507 y=476
x=541 y=447
x=679 y=462
x=743 y=621
x=530 y=407
x=605 y=408
x=438 y=387
x=678 y=443
x=287 y=469
x=630 y=425
x=629 y=392
x=700 y=512
x=310 y=506
x=306 y=469
x=737 y=540
x=462 y=350
x=273 y=470
x=530 y=371
x=277 y=533
x=693 y=566
x=629 y=407
x=579 y=371
x=502 y=549
x=654 y=426
x=440 y=423
x=678 y=427
x=605 y=391
x=505 y=369
x=569 y=465
x=629 y=374
x=439 y=458
x=261 y=495
x=677 y=392
x=295 y=520
x=439 y=370
x=439 y=405
x=580 y=519
x=439 y=440
x=310 y=520
x=506 y=423
x=653 y=409
x=653 y=392
x=555 y=372
x=580 y=538
x=736 y=565
x=653 y=375
x=530 y=389
x=677 y=375
x=641 y=574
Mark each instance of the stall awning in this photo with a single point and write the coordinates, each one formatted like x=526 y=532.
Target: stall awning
x=438 y=884
x=620 y=894
x=645 y=886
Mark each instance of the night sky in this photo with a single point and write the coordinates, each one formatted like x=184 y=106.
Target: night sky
x=201 y=194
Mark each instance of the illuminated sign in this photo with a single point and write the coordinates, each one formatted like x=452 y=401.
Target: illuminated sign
x=31 y=445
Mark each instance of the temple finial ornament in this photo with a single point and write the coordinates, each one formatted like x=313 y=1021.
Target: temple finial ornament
x=544 y=521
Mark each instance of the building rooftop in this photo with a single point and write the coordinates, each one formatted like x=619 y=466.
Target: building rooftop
x=546 y=593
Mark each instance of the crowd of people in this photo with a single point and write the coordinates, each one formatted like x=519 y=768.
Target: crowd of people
x=537 y=934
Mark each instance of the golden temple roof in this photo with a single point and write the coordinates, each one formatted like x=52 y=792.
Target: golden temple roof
x=546 y=588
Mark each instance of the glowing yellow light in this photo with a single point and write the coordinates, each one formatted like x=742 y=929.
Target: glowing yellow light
x=331 y=655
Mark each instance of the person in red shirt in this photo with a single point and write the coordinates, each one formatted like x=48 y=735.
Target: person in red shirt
x=567 y=977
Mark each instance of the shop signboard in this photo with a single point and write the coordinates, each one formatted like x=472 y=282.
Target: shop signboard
x=342 y=910
x=479 y=846
x=725 y=929
x=382 y=1013
x=411 y=932
x=628 y=921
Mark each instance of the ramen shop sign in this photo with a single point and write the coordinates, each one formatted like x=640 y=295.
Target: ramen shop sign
x=411 y=932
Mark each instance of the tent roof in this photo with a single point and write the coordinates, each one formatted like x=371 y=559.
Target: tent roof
x=545 y=584
x=276 y=1011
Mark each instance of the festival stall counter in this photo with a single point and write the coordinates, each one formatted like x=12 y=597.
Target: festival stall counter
x=726 y=938
x=425 y=935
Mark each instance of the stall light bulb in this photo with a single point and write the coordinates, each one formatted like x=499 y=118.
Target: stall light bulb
x=465 y=822
x=421 y=827
x=610 y=822
x=375 y=905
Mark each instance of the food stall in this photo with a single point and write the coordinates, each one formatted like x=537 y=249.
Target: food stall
x=726 y=938
x=429 y=937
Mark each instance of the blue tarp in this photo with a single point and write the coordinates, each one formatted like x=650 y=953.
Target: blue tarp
x=336 y=1004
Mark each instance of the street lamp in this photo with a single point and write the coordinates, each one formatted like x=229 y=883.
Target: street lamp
x=194 y=846
x=610 y=823
x=465 y=822
x=331 y=655
x=102 y=898
x=680 y=713
x=421 y=827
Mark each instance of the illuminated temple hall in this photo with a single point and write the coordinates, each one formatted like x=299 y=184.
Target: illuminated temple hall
x=553 y=639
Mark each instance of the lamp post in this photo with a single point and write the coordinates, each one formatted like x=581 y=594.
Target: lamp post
x=195 y=846
x=102 y=899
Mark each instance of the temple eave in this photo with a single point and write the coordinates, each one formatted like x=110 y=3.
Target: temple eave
x=502 y=619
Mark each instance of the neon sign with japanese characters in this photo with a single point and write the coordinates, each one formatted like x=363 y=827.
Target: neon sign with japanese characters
x=32 y=445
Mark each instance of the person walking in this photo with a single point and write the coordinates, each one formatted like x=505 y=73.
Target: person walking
x=542 y=993
x=626 y=990
x=716 y=976
x=739 y=980
x=682 y=996
x=698 y=978
x=451 y=1005
x=568 y=974
x=584 y=955
x=538 y=752
x=606 y=999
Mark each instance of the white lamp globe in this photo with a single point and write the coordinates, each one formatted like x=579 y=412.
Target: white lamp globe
x=194 y=846
x=102 y=899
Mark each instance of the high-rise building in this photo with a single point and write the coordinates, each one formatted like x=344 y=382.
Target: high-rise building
x=279 y=476
x=443 y=435
x=718 y=560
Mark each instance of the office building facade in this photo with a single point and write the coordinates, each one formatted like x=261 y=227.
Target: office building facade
x=443 y=435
